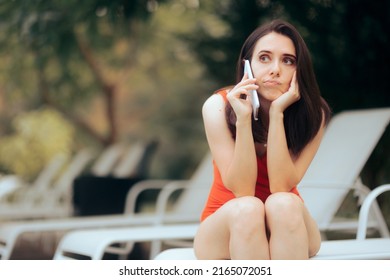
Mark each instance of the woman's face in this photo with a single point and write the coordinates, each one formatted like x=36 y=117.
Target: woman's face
x=273 y=65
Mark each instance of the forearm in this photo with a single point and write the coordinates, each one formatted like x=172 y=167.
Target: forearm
x=241 y=174
x=281 y=169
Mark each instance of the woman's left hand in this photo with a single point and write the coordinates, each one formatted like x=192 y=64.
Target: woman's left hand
x=291 y=96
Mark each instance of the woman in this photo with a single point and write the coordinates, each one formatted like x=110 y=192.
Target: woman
x=254 y=210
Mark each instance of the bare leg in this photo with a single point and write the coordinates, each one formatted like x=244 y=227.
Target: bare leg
x=294 y=234
x=234 y=231
x=248 y=239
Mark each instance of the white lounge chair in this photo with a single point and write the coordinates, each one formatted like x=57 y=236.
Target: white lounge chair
x=13 y=185
x=102 y=189
x=131 y=159
x=93 y=244
x=344 y=127
x=107 y=160
x=350 y=249
x=122 y=160
x=185 y=209
x=348 y=142
x=45 y=199
x=8 y=184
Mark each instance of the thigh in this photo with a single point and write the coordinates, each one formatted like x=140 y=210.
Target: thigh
x=281 y=205
x=313 y=233
x=212 y=239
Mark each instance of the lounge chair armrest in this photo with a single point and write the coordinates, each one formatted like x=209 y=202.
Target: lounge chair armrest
x=323 y=185
x=166 y=192
x=365 y=210
x=360 y=190
x=140 y=187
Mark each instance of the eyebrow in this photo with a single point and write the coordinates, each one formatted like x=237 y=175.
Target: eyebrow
x=290 y=55
x=285 y=54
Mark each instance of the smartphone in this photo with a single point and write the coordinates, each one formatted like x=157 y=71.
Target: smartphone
x=253 y=93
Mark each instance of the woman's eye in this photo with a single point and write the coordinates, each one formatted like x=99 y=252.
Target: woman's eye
x=264 y=58
x=289 y=61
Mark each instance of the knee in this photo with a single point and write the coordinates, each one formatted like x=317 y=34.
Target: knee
x=247 y=214
x=284 y=209
x=247 y=207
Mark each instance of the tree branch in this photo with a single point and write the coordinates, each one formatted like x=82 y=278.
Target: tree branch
x=108 y=90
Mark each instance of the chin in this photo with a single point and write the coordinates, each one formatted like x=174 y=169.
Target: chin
x=268 y=96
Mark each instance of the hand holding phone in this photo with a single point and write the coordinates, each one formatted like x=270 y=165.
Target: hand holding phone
x=253 y=93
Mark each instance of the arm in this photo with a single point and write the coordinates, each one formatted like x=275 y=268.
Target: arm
x=236 y=160
x=284 y=170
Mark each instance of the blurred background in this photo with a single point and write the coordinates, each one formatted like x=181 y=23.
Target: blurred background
x=90 y=73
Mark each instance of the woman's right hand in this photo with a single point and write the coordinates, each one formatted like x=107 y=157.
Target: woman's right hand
x=240 y=99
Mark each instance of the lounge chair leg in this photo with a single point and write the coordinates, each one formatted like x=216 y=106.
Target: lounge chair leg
x=155 y=248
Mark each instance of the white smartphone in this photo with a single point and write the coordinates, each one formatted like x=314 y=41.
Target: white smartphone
x=253 y=93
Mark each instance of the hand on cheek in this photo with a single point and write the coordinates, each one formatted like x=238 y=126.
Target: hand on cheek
x=291 y=96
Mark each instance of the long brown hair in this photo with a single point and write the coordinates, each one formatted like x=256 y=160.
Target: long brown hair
x=303 y=118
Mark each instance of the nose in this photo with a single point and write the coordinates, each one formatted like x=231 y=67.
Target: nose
x=275 y=69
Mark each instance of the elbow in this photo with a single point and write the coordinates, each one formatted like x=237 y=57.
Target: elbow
x=280 y=188
x=274 y=188
x=241 y=188
x=241 y=193
x=283 y=185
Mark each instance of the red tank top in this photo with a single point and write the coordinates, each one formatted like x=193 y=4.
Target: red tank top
x=219 y=194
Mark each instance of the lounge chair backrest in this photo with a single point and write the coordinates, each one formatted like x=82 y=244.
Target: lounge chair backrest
x=192 y=201
x=107 y=160
x=135 y=161
x=62 y=189
x=47 y=175
x=347 y=144
x=129 y=161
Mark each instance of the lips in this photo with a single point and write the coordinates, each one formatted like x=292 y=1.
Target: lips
x=271 y=83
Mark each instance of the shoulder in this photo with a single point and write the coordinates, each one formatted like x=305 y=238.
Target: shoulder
x=215 y=104
x=214 y=115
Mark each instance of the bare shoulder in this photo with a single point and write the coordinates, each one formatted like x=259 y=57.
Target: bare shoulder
x=215 y=101
x=213 y=108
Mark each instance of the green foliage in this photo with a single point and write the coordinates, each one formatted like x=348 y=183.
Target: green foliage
x=56 y=36
x=38 y=136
